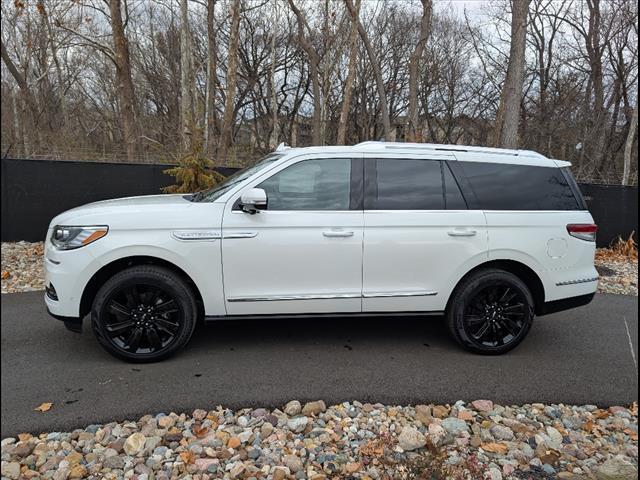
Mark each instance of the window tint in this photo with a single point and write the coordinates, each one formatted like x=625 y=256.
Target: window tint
x=323 y=184
x=499 y=186
x=405 y=184
x=453 y=196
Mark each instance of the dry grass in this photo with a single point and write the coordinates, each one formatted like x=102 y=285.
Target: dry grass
x=620 y=251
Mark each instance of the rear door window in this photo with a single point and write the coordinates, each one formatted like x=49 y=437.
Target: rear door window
x=404 y=184
x=499 y=186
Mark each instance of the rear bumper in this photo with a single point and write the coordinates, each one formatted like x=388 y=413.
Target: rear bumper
x=73 y=324
x=566 y=304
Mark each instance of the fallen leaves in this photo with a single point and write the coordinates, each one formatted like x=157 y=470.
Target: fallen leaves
x=594 y=429
x=44 y=407
x=373 y=448
x=621 y=250
x=200 y=431
x=499 y=448
x=188 y=457
x=5 y=274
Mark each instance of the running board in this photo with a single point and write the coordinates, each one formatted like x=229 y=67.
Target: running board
x=284 y=316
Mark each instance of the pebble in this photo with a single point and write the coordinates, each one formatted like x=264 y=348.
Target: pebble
x=350 y=440
x=411 y=439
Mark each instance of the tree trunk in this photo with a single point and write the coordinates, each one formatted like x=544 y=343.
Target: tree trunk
x=186 y=83
x=628 y=149
x=211 y=121
x=25 y=90
x=125 y=90
x=275 y=127
x=232 y=72
x=505 y=133
x=414 y=132
x=351 y=75
x=377 y=73
x=314 y=61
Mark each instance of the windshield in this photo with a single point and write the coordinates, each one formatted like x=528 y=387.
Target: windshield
x=233 y=180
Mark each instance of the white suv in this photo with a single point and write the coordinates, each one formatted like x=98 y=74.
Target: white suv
x=487 y=237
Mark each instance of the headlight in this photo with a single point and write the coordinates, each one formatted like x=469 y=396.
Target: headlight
x=68 y=238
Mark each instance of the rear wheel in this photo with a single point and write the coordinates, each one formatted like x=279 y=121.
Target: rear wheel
x=144 y=314
x=490 y=312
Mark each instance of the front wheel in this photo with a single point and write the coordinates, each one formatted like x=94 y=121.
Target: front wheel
x=490 y=312
x=144 y=314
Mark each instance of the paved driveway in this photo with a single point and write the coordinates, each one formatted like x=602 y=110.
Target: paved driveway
x=581 y=356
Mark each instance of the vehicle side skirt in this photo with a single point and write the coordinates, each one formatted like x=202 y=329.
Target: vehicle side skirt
x=215 y=318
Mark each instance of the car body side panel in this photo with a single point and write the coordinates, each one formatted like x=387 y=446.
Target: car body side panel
x=541 y=241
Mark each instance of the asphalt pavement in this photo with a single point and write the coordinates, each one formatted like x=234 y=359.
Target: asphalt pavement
x=583 y=356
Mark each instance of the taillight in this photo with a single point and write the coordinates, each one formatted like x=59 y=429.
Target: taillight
x=583 y=231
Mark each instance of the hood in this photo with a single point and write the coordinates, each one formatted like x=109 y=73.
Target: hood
x=150 y=211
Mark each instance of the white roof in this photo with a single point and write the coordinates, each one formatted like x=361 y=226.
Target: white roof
x=452 y=152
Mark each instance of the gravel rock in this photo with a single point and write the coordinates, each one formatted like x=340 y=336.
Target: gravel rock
x=134 y=443
x=297 y=424
x=617 y=469
x=293 y=408
x=314 y=408
x=347 y=441
x=411 y=439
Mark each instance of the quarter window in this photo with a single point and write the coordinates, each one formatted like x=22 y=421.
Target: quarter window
x=405 y=184
x=320 y=184
x=499 y=186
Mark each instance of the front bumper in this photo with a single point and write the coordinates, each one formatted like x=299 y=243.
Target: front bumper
x=66 y=275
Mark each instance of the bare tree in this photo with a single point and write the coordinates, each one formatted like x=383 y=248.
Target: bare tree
x=314 y=61
x=377 y=73
x=232 y=75
x=628 y=150
x=211 y=118
x=505 y=132
x=351 y=74
x=413 y=132
x=186 y=81
x=126 y=91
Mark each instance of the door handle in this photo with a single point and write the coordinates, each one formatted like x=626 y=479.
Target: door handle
x=337 y=233
x=460 y=232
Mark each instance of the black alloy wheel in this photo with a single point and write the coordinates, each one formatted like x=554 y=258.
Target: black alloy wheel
x=144 y=314
x=142 y=319
x=496 y=315
x=490 y=312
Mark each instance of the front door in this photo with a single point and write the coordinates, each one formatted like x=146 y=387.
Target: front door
x=303 y=252
x=419 y=235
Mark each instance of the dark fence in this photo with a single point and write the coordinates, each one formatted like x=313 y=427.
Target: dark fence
x=614 y=208
x=35 y=191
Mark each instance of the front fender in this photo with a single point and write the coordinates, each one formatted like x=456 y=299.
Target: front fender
x=199 y=259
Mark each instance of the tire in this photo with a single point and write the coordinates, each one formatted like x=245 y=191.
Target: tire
x=490 y=312
x=144 y=314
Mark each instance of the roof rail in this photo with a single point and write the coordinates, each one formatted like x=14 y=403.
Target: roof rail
x=446 y=148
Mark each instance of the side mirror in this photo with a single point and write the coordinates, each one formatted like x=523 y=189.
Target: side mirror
x=252 y=199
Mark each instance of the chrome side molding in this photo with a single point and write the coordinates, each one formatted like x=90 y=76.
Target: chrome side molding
x=240 y=235
x=331 y=296
x=417 y=293
x=278 y=298
x=209 y=235
x=574 y=282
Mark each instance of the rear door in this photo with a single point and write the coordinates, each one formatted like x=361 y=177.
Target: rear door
x=419 y=234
